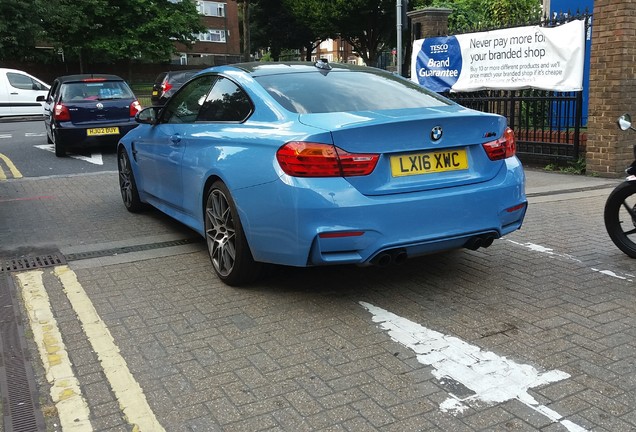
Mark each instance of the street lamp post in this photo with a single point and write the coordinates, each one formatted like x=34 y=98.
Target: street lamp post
x=398 y=14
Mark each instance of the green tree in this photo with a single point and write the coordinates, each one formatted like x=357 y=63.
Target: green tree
x=245 y=12
x=110 y=30
x=147 y=29
x=314 y=23
x=481 y=14
x=19 y=29
x=275 y=28
x=368 y=25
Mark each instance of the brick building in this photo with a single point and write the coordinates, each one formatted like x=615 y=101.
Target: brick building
x=220 y=44
x=336 y=50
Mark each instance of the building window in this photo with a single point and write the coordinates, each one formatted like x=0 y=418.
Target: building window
x=212 y=36
x=210 y=8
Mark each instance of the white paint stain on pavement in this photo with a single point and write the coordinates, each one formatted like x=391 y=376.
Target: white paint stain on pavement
x=542 y=249
x=126 y=389
x=614 y=274
x=493 y=379
x=71 y=406
x=95 y=159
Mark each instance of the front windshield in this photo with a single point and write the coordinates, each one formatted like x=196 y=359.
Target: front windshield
x=346 y=91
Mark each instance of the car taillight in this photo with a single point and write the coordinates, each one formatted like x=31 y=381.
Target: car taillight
x=502 y=148
x=307 y=159
x=61 y=112
x=135 y=107
x=165 y=87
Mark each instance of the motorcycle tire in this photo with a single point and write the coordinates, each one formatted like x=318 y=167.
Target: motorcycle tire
x=620 y=217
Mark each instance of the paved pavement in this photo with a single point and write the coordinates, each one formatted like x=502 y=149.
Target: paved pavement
x=344 y=348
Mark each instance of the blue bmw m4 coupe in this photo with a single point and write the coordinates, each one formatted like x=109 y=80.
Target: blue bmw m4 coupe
x=303 y=164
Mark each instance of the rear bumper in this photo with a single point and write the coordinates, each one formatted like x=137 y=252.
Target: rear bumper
x=304 y=222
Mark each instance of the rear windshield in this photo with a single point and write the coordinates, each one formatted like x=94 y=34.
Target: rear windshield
x=99 y=90
x=346 y=91
x=180 y=77
x=160 y=77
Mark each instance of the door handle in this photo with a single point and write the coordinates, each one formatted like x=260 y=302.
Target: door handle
x=176 y=139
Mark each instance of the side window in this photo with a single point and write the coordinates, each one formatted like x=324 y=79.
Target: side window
x=185 y=105
x=22 y=82
x=225 y=103
x=53 y=92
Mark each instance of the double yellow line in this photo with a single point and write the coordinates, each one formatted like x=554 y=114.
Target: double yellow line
x=72 y=408
x=15 y=173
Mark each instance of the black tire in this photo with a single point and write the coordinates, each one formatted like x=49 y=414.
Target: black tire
x=620 y=217
x=48 y=139
x=60 y=147
x=127 y=184
x=227 y=246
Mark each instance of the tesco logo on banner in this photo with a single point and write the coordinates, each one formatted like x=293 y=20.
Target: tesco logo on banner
x=441 y=48
x=439 y=63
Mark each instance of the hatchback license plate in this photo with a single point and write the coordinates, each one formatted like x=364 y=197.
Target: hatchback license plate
x=102 y=131
x=425 y=163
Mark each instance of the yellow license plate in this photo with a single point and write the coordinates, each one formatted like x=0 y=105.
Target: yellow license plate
x=432 y=162
x=155 y=92
x=102 y=131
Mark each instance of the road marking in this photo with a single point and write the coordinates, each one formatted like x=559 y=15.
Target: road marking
x=626 y=276
x=71 y=406
x=542 y=249
x=14 y=171
x=94 y=158
x=494 y=379
x=5 y=136
x=126 y=389
x=34 y=134
x=35 y=198
x=546 y=250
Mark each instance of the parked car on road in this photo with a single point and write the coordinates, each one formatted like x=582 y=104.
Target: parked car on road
x=19 y=92
x=318 y=164
x=167 y=83
x=81 y=111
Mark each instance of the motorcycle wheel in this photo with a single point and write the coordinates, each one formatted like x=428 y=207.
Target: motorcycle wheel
x=620 y=217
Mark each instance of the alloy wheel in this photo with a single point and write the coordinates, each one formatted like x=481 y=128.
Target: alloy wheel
x=125 y=177
x=220 y=232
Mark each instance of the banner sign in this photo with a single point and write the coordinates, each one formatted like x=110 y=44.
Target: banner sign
x=547 y=58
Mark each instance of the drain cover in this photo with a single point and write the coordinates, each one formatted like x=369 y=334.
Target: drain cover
x=17 y=384
x=32 y=262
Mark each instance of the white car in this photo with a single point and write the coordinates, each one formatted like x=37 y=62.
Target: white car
x=19 y=92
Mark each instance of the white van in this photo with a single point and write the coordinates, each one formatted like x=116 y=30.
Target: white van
x=18 y=93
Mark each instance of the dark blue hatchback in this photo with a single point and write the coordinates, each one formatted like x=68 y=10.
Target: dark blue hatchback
x=83 y=111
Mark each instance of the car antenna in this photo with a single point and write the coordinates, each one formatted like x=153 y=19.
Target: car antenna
x=323 y=63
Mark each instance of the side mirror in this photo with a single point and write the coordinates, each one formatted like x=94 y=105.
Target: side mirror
x=147 y=116
x=625 y=122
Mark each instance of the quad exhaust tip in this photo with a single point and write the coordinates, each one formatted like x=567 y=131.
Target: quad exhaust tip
x=386 y=258
x=399 y=256
x=479 y=242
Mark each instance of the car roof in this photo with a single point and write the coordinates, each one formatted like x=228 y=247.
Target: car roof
x=172 y=72
x=275 y=68
x=82 y=77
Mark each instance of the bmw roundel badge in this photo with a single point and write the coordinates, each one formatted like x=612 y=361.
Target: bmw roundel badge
x=436 y=133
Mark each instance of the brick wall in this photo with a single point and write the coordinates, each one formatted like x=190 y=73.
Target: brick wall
x=612 y=87
x=429 y=22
